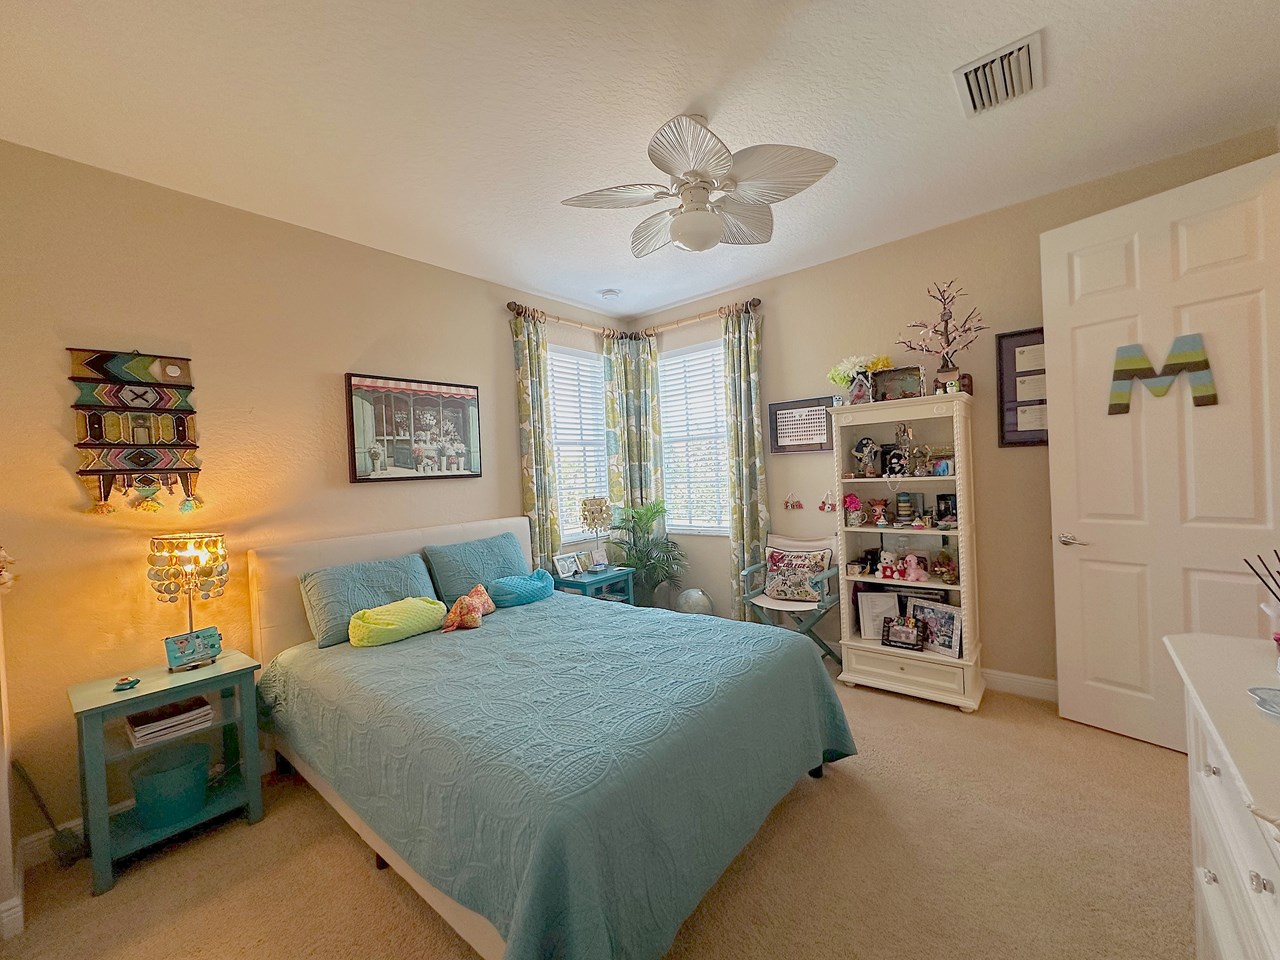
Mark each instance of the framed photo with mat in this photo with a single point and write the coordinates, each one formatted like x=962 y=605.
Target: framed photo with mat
x=873 y=609
x=801 y=426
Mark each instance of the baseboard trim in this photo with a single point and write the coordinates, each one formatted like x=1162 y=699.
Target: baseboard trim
x=11 y=913
x=1037 y=688
x=34 y=849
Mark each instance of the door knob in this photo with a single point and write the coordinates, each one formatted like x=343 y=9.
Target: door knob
x=1069 y=540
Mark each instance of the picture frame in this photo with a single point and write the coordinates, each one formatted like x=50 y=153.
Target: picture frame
x=406 y=429
x=801 y=426
x=873 y=608
x=897 y=383
x=1022 y=404
x=600 y=556
x=943 y=626
x=566 y=564
x=902 y=632
x=946 y=504
x=584 y=560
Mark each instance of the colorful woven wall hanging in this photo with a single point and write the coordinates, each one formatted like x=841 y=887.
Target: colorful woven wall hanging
x=135 y=427
x=1187 y=355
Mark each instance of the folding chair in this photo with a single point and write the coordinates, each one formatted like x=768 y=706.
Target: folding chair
x=803 y=614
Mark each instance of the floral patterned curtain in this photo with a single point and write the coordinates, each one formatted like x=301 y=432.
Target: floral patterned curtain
x=537 y=459
x=632 y=428
x=748 y=496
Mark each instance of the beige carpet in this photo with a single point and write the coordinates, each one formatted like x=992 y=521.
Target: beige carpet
x=1005 y=834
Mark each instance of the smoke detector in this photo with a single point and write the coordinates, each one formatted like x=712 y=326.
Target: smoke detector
x=1014 y=70
x=610 y=294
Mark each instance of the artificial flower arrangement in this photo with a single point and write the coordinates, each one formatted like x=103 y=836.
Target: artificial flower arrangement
x=844 y=372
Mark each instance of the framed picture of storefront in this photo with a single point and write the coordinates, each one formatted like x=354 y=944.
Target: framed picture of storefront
x=400 y=429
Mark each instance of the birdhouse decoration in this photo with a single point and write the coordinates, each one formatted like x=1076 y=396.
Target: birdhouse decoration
x=135 y=427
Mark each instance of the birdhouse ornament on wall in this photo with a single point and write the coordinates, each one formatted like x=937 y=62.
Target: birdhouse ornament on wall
x=135 y=427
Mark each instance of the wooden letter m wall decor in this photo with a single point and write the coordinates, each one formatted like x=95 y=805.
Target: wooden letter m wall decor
x=1187 y=355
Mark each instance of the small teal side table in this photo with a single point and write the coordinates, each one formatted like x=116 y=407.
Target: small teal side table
x=611 y=583
x=104 y=740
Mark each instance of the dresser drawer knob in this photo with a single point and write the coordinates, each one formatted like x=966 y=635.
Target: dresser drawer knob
x=1208 y=875
x=1260 y=884
x=1209 y=770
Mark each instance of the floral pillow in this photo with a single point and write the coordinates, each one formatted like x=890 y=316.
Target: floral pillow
x=465 y=614
x=789 y=574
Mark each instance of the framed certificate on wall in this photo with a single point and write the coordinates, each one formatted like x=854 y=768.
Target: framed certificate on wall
x=801 y=426
x=1023 y=400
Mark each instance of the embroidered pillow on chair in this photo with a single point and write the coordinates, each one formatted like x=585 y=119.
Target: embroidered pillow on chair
x=789 y=574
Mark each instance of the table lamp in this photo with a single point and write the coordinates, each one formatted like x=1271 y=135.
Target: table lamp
x=597 y=515
x=188 y=563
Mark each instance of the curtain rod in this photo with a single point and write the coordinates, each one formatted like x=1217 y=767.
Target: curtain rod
x=520 y=310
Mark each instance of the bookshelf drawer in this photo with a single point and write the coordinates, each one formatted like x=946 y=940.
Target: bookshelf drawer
x=881 y=668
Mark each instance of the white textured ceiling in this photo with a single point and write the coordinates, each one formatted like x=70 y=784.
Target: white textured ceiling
x=449 y=132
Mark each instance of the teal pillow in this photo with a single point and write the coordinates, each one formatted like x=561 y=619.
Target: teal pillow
x=457 y=567
x=515 y=591
x=332 y=595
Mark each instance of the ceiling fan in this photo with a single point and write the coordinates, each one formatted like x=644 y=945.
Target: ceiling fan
x=724 y=197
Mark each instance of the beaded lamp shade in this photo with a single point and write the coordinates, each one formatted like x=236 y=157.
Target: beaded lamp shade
x=597 y=515
x=188 y=564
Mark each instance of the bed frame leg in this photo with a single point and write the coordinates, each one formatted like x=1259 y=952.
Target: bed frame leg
x=379 y=862
x=816 y=772
x=283 y=766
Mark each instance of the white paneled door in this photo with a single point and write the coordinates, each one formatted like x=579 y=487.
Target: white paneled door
x=1164 y=501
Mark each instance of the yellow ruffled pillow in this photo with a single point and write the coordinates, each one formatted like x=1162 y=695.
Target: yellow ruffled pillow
x=395 y=621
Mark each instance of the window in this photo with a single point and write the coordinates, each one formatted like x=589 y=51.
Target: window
x=577 y=433
x=695 y=452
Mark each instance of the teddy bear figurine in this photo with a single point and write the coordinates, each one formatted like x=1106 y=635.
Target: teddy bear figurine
x=913 y=570
x=887 y=569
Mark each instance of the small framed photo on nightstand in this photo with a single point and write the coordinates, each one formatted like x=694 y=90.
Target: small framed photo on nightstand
x=566 y=564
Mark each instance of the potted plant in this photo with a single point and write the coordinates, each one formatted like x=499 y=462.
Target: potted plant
x=655 y=558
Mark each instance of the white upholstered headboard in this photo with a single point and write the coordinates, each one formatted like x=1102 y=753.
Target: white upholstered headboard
x=275 y=600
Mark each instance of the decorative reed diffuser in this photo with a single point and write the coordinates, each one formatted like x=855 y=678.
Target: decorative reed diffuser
x=1272 y=609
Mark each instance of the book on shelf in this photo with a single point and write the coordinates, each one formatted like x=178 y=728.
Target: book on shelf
x=168 y=721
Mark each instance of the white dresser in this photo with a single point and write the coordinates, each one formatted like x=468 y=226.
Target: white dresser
x=1233 y=753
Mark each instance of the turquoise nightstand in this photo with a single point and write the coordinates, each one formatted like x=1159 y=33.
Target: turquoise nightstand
x=613 y=583
x=104 y=740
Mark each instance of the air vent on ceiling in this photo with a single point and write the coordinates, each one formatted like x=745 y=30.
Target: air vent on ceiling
x=1012 y=71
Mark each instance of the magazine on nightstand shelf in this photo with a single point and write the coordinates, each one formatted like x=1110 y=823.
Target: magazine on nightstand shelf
x=168 y=721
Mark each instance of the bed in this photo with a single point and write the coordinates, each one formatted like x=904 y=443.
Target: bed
x=566 y=781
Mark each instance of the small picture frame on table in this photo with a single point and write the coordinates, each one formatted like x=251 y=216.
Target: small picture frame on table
x=566 y=564
x=1022 y=402
x=584 y=560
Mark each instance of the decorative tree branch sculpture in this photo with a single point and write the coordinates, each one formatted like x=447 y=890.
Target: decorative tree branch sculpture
x=946 y=337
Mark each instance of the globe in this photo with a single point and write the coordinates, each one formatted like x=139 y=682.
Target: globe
x=694 y=600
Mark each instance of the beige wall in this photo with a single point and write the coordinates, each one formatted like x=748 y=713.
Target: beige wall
x=272 y=316
x=861 y=304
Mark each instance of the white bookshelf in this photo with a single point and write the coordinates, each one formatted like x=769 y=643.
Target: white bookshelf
x=936 y=421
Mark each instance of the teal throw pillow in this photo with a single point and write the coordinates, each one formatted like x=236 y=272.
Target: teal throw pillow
x=331 y=596
x=457 y=567
x=515 y=591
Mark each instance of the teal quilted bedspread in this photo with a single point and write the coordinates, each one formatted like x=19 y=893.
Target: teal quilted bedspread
x=578 y=772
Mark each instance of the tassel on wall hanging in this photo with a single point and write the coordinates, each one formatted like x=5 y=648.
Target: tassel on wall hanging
x=135 y=427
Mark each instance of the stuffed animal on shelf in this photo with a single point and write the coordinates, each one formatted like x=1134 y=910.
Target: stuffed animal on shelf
x=914 y=570
x=888 y=566
x=879 y=514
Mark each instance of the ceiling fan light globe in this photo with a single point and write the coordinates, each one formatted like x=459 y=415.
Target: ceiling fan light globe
x=696 y=230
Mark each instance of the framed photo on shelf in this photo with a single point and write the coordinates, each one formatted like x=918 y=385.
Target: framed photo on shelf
x=873 y=608
x=1020 y=382
x=411 y=429
x=897 y=383
x=942 y=626
x=801 y=426
x=566 y=564
x=905 y=633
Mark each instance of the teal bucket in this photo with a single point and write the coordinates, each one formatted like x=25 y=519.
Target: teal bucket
x=170 y=785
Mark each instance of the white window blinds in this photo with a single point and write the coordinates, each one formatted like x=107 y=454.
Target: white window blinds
x=695 y=470
x=577 y=433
